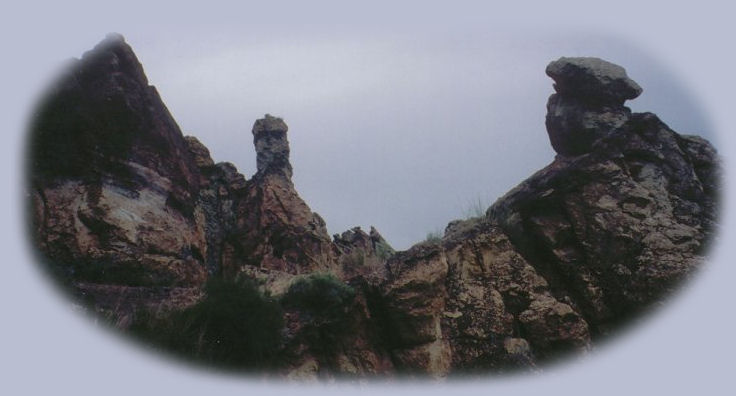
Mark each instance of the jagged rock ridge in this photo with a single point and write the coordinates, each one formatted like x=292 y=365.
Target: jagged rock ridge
x=112 y=178
x=135 y=218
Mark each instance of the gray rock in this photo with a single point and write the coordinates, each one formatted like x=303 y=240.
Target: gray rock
x=588 y=104
x=592 y=79
x=573 y=126
x=269 y=124
x=272 y=146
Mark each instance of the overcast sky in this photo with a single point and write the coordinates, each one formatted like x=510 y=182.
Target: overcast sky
x=402 y=131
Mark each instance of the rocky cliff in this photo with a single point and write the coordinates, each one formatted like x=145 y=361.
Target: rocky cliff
x=143 y=226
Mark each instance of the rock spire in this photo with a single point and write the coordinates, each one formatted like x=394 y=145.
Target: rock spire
x=272 y=146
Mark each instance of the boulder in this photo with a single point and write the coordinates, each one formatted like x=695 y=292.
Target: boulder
x=573 y=126
x=592 y=80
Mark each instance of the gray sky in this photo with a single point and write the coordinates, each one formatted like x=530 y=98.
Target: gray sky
x=405 y=132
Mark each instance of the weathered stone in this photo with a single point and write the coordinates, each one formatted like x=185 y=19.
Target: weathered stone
x=362 y=255
x=221 y=187
x=199 y=152
x=136 y=217
x=592 y=80
x=272 y=147
x=115 y=180
x=275 y=228
x=472 y=292
x=620 y=227
x=573 y=126
x=588 y=104
x=552 y=327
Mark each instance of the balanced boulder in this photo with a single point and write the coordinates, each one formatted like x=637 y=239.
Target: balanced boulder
x=588 y=104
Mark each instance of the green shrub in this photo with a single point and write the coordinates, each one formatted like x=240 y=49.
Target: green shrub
x=319 y=295
x=384 y=251
x=323 y=303
x=234 y=326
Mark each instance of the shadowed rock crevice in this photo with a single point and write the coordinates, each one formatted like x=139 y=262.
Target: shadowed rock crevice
x=147 y=230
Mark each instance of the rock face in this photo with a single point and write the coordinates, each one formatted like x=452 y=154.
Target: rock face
x=621 y=226
x=112 y=178
x=221 y=188
x=136 y=218
x=472 y=302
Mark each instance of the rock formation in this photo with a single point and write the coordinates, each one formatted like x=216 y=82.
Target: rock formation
x=135 y=219
x=112 y=184
x=275 y=229
x=272 y=147
x=588 y=103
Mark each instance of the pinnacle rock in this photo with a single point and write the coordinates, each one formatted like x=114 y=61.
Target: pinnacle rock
x=272 y=146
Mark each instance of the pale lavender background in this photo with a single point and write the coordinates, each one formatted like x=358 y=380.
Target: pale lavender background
x=448 y=98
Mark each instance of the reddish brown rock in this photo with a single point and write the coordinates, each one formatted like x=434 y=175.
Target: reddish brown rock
x=275 y=229
x=112 y=178
x=362 y=255
x=619 y=228
x=471 y=303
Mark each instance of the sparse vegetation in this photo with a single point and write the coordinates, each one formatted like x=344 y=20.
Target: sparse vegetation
x=233 y=326
x=320 y=295
x=384 y=251
x=323 y=303
x=433 y=236
x=475 y=209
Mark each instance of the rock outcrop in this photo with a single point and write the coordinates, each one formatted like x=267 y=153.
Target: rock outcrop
x=472 y=302
x=221 y=188
x=613 y=225
x=272 y=147
x=112 y=180
x=275 y=228
x=588 y=103
x=136 y=218
x=619 y=227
